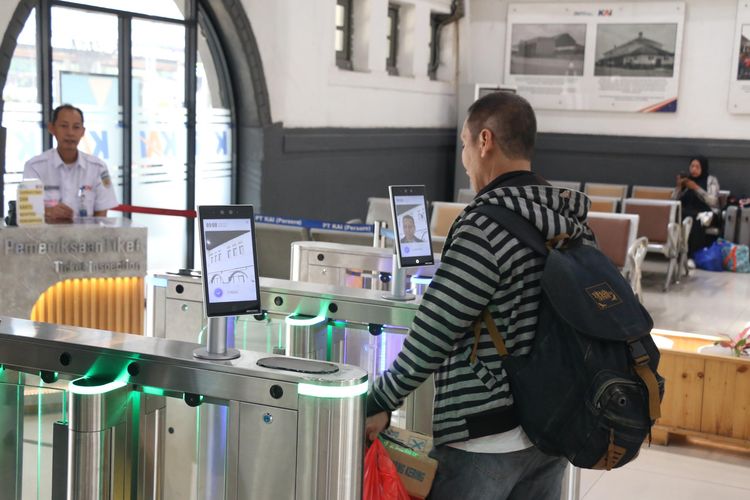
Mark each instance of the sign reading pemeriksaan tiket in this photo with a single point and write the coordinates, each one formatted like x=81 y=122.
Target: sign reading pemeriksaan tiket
x=34 y=258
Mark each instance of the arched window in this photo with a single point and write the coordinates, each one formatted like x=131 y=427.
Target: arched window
x=151 y=79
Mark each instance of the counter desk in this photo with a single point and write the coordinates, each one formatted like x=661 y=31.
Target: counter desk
x=88 y=274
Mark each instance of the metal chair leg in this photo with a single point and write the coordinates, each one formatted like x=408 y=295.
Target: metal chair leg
x=670 y=273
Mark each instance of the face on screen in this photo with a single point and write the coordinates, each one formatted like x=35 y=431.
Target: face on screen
x=230 y=264
x=411 y=218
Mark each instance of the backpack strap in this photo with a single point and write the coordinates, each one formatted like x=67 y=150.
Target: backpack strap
x=517 y=225
x=495 y=335
x=646 y=374
x=528 y=234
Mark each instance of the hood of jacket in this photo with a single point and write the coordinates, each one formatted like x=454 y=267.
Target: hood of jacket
x=547 y=207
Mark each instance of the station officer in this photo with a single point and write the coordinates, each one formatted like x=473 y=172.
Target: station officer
x=76 y=184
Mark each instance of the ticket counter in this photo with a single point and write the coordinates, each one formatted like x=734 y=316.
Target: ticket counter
x=86 y=274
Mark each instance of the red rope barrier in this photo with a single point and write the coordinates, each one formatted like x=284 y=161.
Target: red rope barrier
x=133 y=209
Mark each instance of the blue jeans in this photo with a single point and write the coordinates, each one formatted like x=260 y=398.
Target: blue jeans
x=521 y=475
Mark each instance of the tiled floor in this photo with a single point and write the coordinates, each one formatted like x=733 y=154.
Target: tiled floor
x=708 y=303
x=704 y=302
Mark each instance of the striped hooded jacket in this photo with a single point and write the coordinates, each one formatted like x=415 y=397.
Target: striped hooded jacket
x=481 y=265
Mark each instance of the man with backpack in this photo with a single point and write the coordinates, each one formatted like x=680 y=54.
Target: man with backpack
x=482 y=451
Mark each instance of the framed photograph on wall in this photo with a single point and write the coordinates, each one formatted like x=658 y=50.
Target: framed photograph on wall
x=607 y=57
x=739 y=81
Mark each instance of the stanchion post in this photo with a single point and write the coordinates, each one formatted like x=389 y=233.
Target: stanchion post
x=216 y=342
x=398 y=283
x=96 y=408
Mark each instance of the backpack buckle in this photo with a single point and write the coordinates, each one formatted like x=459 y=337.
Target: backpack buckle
x=638 y=352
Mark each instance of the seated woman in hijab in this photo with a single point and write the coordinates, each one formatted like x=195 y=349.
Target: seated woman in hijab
x=698 y=192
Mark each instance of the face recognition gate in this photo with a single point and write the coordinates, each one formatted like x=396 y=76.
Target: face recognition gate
x=322 y=322
x=287 y=431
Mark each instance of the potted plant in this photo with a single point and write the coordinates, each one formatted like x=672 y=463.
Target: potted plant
x=739 y=345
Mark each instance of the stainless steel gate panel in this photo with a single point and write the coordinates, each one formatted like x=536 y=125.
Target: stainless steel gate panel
x=324 y=405
x=266 y=448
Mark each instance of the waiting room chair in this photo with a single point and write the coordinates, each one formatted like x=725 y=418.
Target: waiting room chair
x=603 y=189
x=652 y=192
x=604 y=204
x=659 y=222
x=444 y=213
x=616 y=235
x=723 y=198
x=379 y=209
x=573 y=185
x=686 y=226
x=274 y=243
x=465 y=196
x=438 y=242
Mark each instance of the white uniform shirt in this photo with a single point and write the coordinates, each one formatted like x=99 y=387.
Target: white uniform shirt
x=88 y=177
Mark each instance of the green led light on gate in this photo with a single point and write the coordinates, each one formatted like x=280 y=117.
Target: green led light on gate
x=327 y=391
x=75 y=388
x=153 y=391
x=303 y=320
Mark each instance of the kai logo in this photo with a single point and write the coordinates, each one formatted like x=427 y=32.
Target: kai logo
x=605 y=13
x=603 y=296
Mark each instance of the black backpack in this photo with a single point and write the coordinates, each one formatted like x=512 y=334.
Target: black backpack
x=589 y=389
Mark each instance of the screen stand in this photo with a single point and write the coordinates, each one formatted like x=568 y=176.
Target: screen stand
x=398 y=283
x=216 y=342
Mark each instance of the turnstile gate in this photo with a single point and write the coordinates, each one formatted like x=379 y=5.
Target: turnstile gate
x=280 y=427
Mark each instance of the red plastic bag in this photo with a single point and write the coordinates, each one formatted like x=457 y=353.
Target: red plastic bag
x=381 y=479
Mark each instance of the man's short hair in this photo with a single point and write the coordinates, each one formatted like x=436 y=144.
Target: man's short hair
x=69 y=107
x=511 y=120
x=407 y=217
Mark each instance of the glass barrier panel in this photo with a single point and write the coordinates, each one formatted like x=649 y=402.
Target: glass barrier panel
x=260 y=336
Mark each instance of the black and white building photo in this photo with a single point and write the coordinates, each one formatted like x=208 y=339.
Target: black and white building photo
x=548 y=49
x=635 y=50
x=743 y=65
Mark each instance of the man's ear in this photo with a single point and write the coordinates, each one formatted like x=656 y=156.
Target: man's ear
x=485 y=141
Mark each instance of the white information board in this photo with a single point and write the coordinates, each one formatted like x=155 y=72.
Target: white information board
x=739 y=81
x=596 y=56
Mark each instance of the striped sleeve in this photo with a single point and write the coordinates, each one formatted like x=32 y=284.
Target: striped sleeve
x=463 y=285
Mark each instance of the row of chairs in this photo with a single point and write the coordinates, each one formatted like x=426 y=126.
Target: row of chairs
x=443 y=213
x=619 y=234
x=624 y=239
x=607 y=197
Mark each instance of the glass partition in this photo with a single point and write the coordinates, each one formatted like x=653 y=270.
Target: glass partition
x=85 y=73
x=22 y=113
x=160 y=137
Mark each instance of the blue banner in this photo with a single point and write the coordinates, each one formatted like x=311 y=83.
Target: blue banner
x=314 y=224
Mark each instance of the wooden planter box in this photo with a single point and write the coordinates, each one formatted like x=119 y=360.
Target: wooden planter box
x=706 y=395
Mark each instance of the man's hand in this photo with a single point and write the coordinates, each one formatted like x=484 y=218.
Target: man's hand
x=375 y=425
x=57 y=214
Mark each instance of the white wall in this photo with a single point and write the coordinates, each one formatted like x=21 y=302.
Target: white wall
x=707 y=49
x=307 y=89
x=7 y=8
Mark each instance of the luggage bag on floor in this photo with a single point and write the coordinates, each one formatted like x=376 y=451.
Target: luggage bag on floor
x=743 y=226
x=731 y=215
